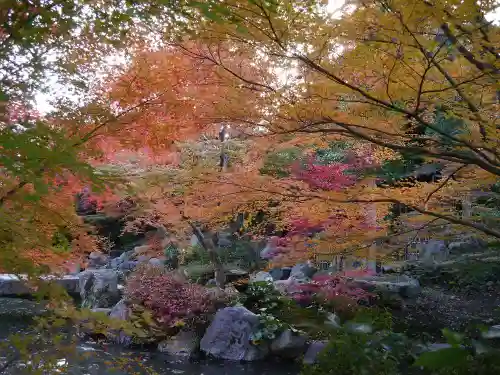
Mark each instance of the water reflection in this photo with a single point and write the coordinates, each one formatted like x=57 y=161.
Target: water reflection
x=94 y=359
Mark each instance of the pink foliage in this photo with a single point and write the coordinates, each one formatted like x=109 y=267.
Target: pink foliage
x=19 y=113
x=327 y=288
x=170 y=300
x=327 y=177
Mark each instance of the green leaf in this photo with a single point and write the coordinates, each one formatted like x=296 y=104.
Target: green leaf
x=448 y=357
x=453 y=338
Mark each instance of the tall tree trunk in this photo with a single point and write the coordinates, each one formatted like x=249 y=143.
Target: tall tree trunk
x=209 y=247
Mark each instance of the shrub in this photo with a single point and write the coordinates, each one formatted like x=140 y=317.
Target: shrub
x=333 y=292
x=310 y=320
x=241 y=254
x=173 y=302
x=353 y=354
x=269 y=328
x=261 y=297
x=466 y=355
x=264 y=300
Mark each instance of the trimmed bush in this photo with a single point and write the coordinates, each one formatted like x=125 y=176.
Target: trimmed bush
x=173 y=302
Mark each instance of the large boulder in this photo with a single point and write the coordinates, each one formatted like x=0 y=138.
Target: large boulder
x=314 y=349
x=403 y=285
x=433 y=251
x=14 y=285
x=99 y=288
x=155 y=262
x=97 y=260
x=466 y=245
x=289 y=344
x=282 y=273
x=228 y=336
x=184 y=344
x=269 y=251
x=303 y=271
x=121 y=311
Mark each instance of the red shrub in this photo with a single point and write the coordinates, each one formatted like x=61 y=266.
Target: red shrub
x=171 y=300
x=326 y=288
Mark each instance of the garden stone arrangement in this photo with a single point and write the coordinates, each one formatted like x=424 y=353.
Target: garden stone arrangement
x=289 y=313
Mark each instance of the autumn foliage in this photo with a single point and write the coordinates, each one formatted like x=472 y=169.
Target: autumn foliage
x=173 y=302
x=326 y=289
x=406 y=86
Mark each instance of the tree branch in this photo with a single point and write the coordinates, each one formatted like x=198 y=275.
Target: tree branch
x=441 y=185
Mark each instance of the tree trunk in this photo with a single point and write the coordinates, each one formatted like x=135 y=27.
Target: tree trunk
x=209 y=247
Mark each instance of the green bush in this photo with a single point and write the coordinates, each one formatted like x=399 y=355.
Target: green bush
x=310 y=320
x=277 y=164
x=353 y=354
x=241 y=254
x=261 y=297
x=465 y=356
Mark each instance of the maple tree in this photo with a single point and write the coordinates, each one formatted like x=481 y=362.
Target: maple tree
x=416 y=81
x=408 y=84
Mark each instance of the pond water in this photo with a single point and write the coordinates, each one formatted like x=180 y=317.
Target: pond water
x=15 y=317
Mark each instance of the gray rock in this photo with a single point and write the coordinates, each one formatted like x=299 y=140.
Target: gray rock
x=97 y=260
x=261 y=276
x=289 y=345
x=143 y=258
x=115 y=263
x=12 y=285
x=287 y=271
x=211 y=283
x=155 y=262
x=332 y=320
x=268 y=251
x=303 y=271
x=69 y=282
x=126 y=255
x=115 y=253
x=99 y=288
x=228 y=336
x=492 y=333
x=432 y=251
x=276 y=273
x=469 y=244
x=120 y=312
x=358 y=327
x=435 y=347
x=313 y=351
x=405 y=286
x=184 y=344
x=128 y=265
